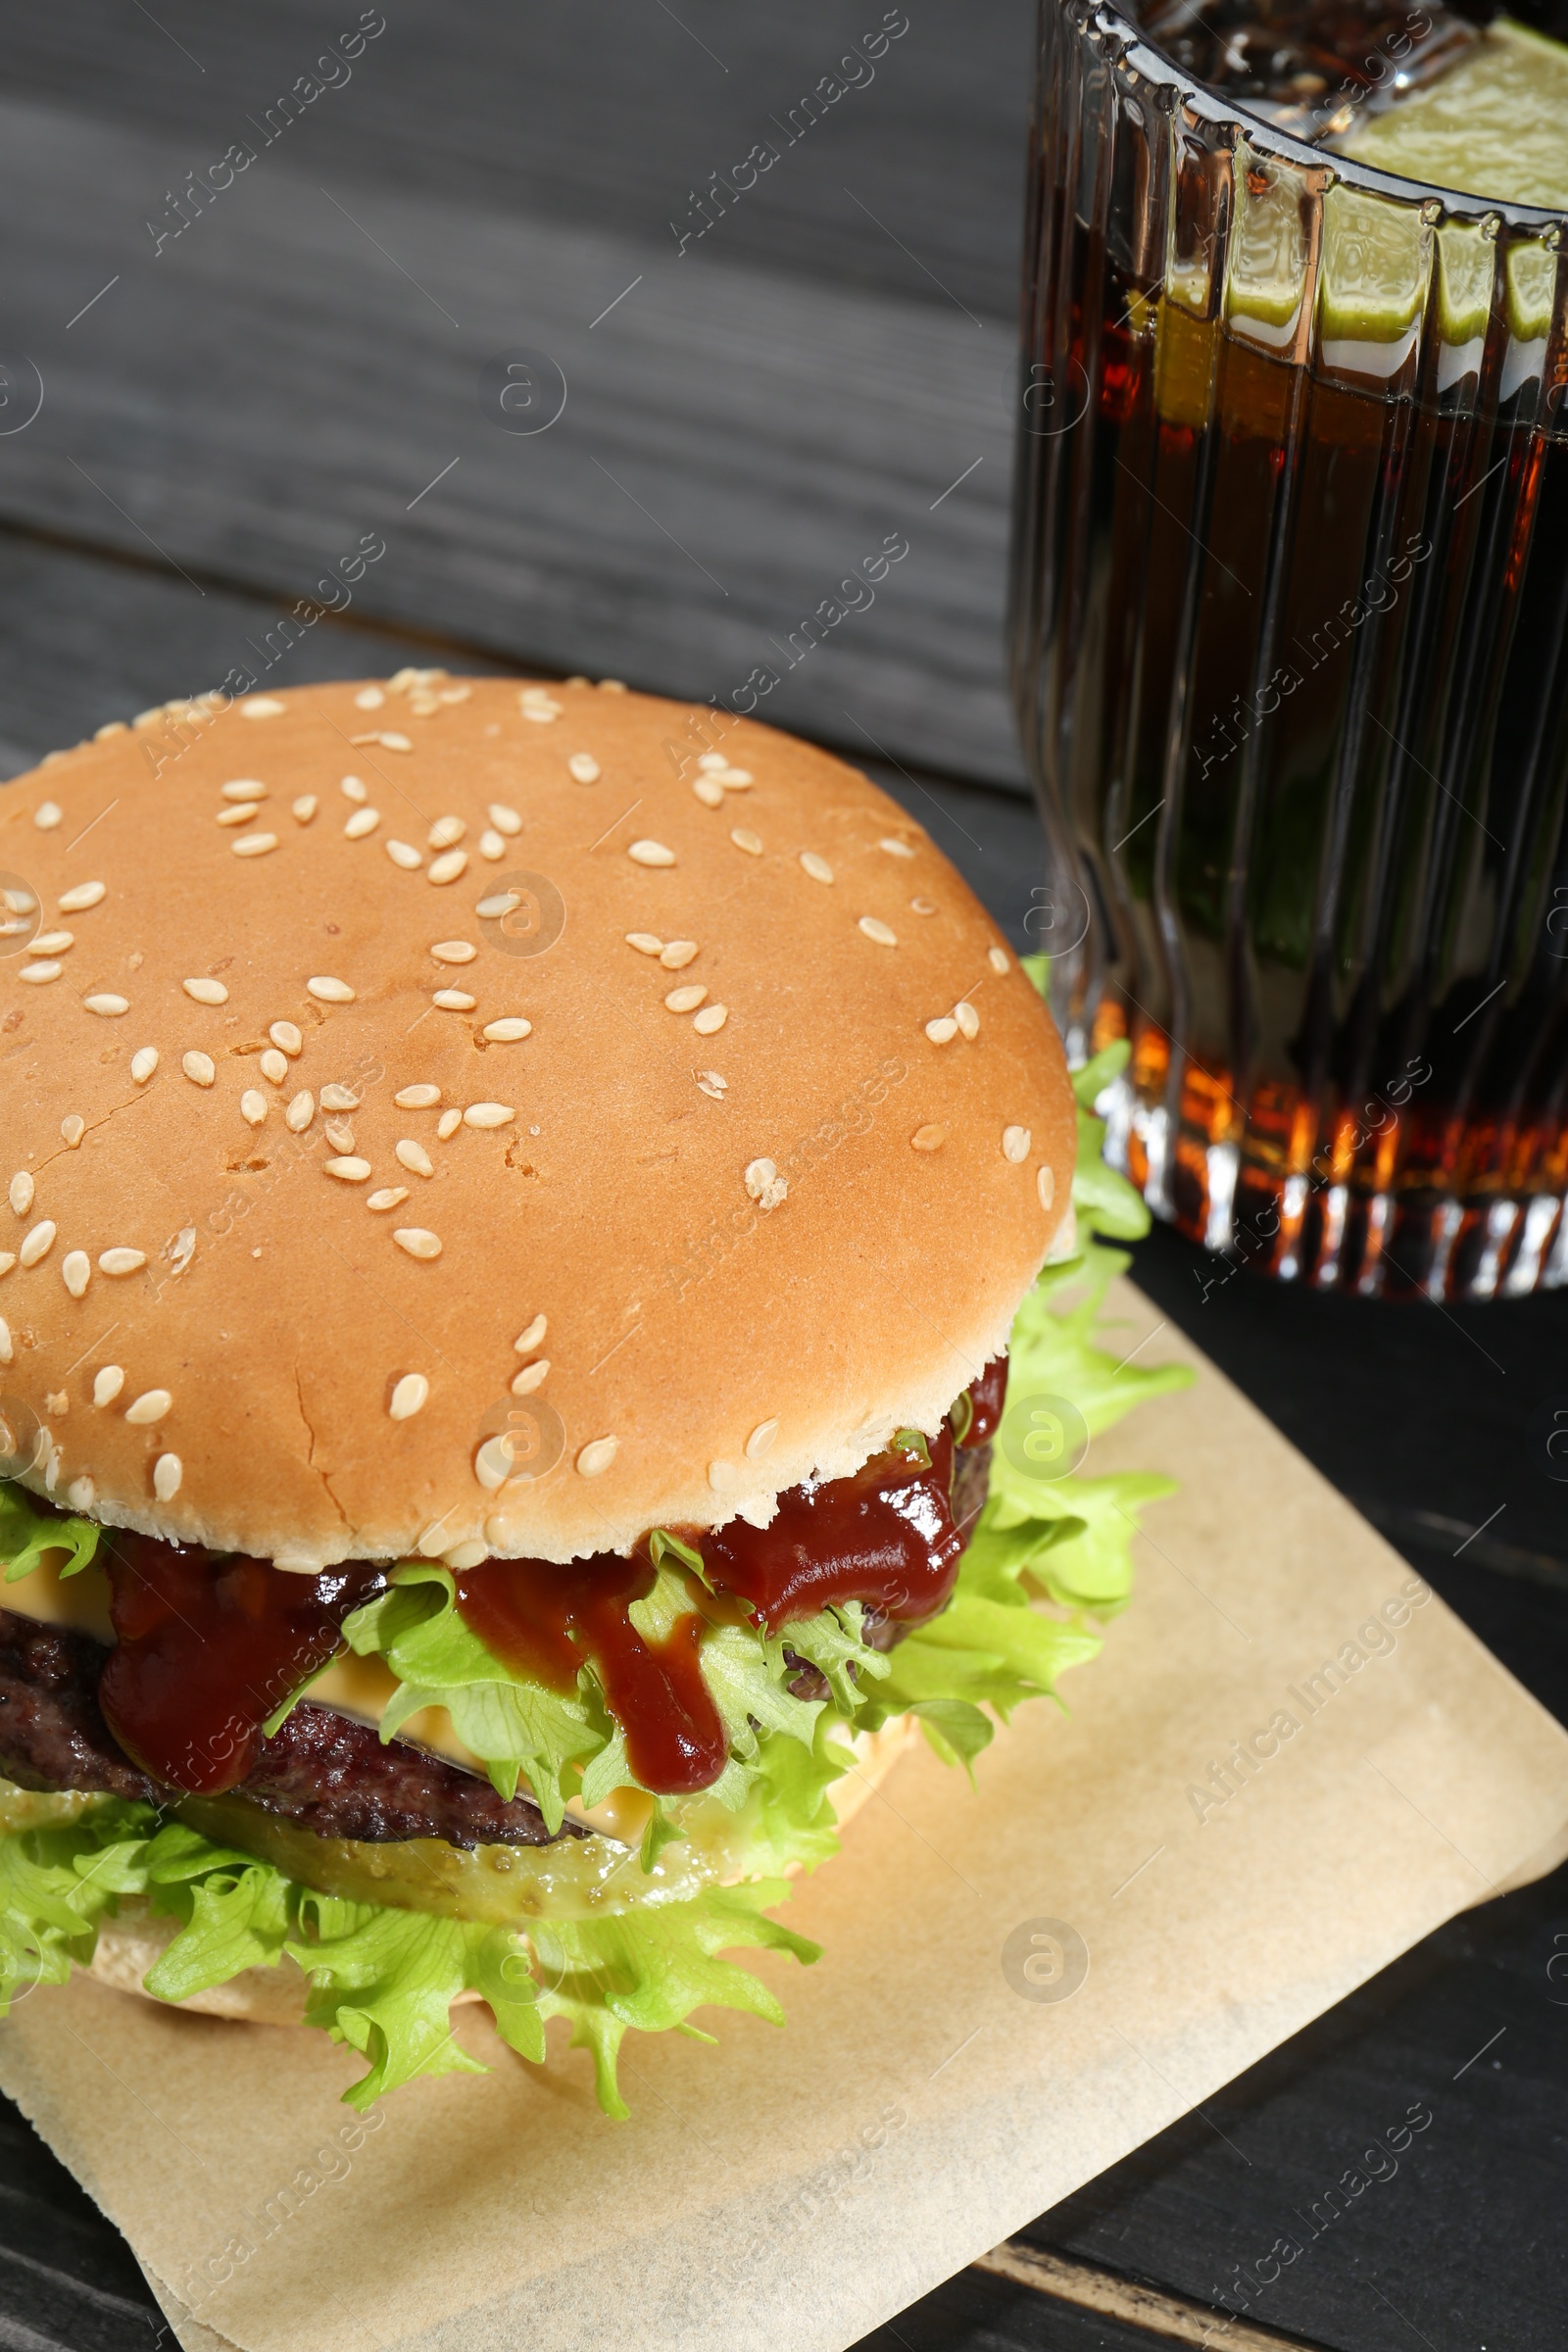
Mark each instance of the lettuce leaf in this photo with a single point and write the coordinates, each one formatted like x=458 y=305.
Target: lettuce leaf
x=381 y=1980
x=27 y=1532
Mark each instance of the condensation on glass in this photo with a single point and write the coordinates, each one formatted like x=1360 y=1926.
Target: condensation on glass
x=1290 y=600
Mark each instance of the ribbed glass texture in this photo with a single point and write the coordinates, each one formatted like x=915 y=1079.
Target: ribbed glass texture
x=1290 y=657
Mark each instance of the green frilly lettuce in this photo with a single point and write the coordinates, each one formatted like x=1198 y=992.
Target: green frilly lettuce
x=1047 y=1561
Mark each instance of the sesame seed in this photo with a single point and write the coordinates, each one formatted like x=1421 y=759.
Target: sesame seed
x=8 y=1258
x=526 y=1340
x=339 y=1097
x=254 y=845
x=75 y=1269
x=72 y=1127
x=491 y=844
x=418 y=1097
x=251 y=1107
x=108 y=1007
x=651 y=852
x=817 y=867
x=645 y=943
x=922 y=906
x=711 y=761
x=445 y=832
x=895 y=849
x=760 y=1439
x=38 y=975
x=448 y=866
x=1015 y=1143
x=390 y=743
x=260 y=706
x=711 y=1084
x=722 y=1476
x=504 y=820
x=495 y=1460
x=586 y=767
x=22 y=1192
x=304 y=808
x=300 y=1112
x=83 y=896
x=733 y=780
x=82 y=1494
x=454 y=950
x=339 y=1134
x=273 y=1065
x=1046 y=1183
x=149 y=1407
x=168 y=1472
x=199 y=1069
x=611 y=686
x=708 y=791
x=711 y=1019
x=940 y=1031
x=368 y=698
x=354 y=788
x=244 y=788
x=287 y=1037
x=454 y=999
x=409 y=1396
x=116 y=1263
x=929 y=1139
x=235 y=816
x=347 y=1170
x=417 y=1240
x=403 y=853
x=758 y=1176
x=387 y=1197
x=997 y=959
x=107 y=1384
x=329 y=991
x=206 y=992
x=414 y=1156
x=685 y=1000
x=488 y=1114
x=508 y=1032
x=363 y=822
x=532 y=1376
x=597 y=1456
x=456 y=694
x=7 y=1351
x=53 y=943
x=448 y=1123
x=678 y=953
x=875 y=928
x=501 y=904
x=967 y=1018
x=541 y=713
x=47 y=815
x=143 y=1062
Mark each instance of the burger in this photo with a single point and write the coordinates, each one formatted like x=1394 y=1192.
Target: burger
x=523 y=1202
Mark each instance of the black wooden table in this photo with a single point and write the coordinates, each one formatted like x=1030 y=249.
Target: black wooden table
x=763 y=383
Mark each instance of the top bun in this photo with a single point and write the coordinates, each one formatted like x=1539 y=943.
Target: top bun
x=468 y=926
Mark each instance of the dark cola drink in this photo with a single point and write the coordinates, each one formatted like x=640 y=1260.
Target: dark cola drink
x=1290 y=605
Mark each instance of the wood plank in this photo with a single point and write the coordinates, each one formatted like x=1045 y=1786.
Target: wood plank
x=735 y=446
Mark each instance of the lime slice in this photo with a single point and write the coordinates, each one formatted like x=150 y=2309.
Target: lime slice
x=1495 y=126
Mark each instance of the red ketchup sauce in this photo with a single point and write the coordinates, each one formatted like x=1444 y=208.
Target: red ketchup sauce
x=529 y=1612
x=988 y=1396
x=208 y=1649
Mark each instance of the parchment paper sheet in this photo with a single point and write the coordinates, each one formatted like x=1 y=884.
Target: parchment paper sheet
x=797 y=2189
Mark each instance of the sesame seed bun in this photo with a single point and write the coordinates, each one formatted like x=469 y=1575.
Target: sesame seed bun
x=348 y=1221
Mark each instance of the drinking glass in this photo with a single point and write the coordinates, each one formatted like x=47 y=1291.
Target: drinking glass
x=1289 y=606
